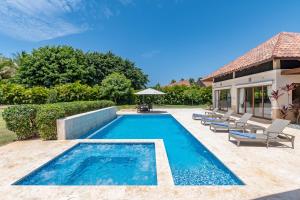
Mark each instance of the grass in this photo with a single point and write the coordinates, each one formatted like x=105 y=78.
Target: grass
x=6 y=136
x=163 y=106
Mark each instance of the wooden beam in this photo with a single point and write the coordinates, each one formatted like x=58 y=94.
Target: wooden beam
x=291 y=71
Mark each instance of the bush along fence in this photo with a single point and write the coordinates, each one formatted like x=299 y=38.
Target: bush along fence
x=29 y=121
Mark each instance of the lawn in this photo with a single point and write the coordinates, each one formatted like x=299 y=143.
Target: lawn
x=6 y=136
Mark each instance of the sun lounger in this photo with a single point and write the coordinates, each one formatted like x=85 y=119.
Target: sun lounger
x=197 y=116
x=227 y=125
x=224 y=118
x=272 y=134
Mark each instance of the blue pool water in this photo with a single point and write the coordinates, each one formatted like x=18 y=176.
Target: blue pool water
x=191 y=163
x=98 y=164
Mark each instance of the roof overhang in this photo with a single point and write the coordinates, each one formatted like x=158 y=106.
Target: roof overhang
x=294 y=71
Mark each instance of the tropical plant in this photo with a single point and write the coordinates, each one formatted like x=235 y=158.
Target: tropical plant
x=294 y=107
x=284 y=111
x=275 y=94
x=288 y=88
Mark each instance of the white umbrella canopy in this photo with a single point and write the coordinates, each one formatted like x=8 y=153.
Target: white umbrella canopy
x=149 y=91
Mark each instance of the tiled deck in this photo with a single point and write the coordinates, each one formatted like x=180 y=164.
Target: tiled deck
x=267 y=173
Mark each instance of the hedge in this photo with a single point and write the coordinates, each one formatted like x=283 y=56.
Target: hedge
x=21 y=120
x=31 y=120
x=49 y=113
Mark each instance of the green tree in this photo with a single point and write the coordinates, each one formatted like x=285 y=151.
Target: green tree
x=49 y=66
x=116 y=87
x=192 y=81
x=100 y=65
x=52 y=65
x=173 y=81
x=191 y=94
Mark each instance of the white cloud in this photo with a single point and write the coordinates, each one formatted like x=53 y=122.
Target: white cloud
x=37 y=20
x=107 y=12
x=150 y=54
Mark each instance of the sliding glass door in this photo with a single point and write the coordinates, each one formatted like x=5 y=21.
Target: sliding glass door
x=223 y=99
x=258 y=102
x=242 y=96
x=267 y=90
x=255 y=100
x=249 y=100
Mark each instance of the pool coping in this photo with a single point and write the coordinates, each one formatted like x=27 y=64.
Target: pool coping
x=163 y=171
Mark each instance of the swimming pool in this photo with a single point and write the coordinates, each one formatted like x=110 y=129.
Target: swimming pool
x=98 y=164
x=190 y=161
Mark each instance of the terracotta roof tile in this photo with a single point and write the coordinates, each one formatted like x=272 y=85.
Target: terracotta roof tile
x=282 y=45
x=183 y=82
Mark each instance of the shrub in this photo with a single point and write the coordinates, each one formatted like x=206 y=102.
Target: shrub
x=76 y=92
x=13 y=94
x=46 y=120
x=37 y=95
x=49 y=113
x=21 y=120
x=18 y=94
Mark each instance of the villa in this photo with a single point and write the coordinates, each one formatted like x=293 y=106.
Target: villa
x=245 y=84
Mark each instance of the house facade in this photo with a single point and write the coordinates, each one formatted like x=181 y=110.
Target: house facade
x=246 y=84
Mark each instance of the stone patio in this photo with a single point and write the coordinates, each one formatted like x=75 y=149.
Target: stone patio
x=272 y=173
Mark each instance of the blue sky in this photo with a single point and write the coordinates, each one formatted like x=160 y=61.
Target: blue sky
x=168 y=39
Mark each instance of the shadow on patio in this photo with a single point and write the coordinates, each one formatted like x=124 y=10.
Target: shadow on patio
x=289 y=195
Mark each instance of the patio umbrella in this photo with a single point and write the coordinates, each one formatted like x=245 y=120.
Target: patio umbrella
x=149 y=91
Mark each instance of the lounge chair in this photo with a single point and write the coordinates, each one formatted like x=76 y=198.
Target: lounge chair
x=272 y=134
x=226 y=126
x=224 y=118
x=197 y=116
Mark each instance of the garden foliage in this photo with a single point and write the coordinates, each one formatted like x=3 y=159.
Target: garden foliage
x=21 y=119
x=28 y=121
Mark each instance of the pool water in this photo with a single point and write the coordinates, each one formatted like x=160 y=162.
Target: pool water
x=98 y=164
x=190 y=161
